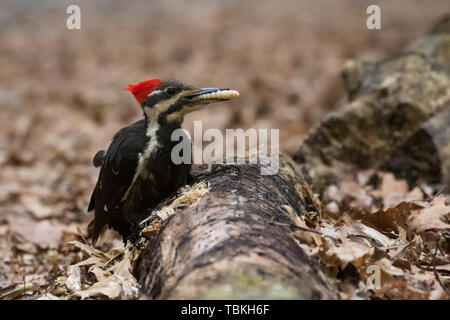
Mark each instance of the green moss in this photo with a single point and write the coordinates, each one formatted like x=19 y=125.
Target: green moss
x=252 y=285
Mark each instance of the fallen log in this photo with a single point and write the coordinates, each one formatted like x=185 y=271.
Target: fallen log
x=397 y=118
x=425 y=156
x=228 y=236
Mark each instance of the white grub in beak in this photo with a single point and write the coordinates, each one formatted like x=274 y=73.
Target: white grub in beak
x=219 y=94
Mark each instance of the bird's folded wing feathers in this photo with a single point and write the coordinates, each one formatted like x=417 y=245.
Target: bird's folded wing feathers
x=119 y=167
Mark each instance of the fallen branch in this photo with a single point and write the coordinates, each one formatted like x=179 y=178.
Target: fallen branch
x=231 y=242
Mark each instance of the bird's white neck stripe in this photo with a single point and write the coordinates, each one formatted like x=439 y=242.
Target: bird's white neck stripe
x=152 y=144
x=152 y=128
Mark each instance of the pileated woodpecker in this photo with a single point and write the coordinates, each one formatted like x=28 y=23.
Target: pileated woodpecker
x=137 y=171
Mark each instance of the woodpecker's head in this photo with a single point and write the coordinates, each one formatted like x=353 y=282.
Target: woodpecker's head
x=167 y=101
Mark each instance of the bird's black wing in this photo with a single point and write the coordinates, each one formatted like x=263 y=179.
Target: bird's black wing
x=117 y=172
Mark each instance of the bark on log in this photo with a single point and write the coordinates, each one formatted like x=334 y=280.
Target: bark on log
x=235 y=241
x=425 y=156
x=397 y=118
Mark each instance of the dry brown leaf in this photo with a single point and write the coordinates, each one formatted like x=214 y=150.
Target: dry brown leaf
x=350 y=251
x=28 y=247
x=430 y=218
x=92 y=260
x=400 y=290
x=392 y=191
x=396 y=251
x=388 y=221
x=45 y=234
x=122 y=271
x=37 y=208
x=99 y=273
x=90 y=250
x=359 y=197
x=36 y=279
x=114 y=282
x=359 y=229
x=110 y=289
x=445 y=268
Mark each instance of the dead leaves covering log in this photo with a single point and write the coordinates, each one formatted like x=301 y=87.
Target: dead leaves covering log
x=404 y=235
x=112 y=271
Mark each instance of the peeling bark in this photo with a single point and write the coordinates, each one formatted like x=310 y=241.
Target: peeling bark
x=235 y=241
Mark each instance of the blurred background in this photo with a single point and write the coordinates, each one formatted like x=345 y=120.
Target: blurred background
x=62 y=97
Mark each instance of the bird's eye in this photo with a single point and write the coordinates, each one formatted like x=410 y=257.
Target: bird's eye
x=171 y=90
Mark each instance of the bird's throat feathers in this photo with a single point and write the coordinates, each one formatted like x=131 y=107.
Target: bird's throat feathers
x=158 y=135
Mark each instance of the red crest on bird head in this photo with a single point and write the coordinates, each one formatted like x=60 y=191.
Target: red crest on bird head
x=142 y=89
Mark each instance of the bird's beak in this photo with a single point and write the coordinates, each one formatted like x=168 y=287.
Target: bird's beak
x=196 y=99
x=210 y=95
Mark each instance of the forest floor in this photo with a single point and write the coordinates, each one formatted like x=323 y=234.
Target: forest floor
x=62 y=99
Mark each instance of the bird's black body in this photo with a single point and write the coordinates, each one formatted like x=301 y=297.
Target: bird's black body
x=137 y=171
x=121 y=189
